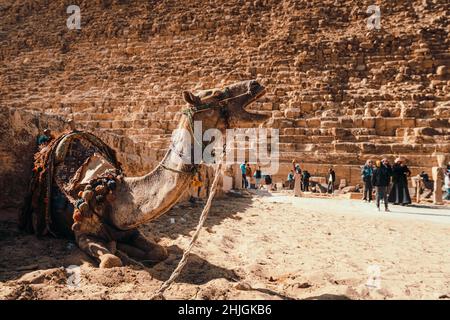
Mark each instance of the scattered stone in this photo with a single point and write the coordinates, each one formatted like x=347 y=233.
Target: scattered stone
x=304 y=285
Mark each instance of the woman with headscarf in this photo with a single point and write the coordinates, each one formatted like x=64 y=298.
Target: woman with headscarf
x=297 y=179
x=399 y=192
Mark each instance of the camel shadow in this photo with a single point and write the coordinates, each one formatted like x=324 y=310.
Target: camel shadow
x=328 y=296
x=197 y=271
x=23 y=253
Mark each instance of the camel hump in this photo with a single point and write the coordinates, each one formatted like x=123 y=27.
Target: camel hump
x=60 y=169
x=80 y=156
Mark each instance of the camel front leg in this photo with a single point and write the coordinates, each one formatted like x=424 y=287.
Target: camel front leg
x=139 y=247
x=98 y=249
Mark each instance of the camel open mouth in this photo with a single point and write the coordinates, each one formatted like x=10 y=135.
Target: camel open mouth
x=261 y=92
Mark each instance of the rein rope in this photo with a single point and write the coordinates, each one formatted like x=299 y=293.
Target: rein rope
x=190 y=112
x=159 y=295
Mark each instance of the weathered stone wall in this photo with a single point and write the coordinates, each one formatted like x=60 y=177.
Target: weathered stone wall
x=18 y=131
x=338 y=92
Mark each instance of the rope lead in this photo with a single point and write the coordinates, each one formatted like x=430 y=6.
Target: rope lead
x=159 y=295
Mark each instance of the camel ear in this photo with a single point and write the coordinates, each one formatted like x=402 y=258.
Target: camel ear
x=191 y=98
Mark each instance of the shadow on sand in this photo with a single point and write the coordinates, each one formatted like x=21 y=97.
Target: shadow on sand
x=328 y=296
x=197 y=270
x=22 y=253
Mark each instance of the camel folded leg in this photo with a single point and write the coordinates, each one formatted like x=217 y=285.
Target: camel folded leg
x=98 y=249
x=139 y=247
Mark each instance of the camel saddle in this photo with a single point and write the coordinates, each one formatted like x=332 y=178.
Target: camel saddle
x=62 y=170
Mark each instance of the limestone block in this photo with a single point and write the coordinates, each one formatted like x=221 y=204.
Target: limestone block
x=358 y=122
x=289 y=131
x=340 y=132
x=346 y=147
x=408 y=123
x=104 y=124
x=329 y=124
x=384 y=149
x=442 y=111
x=346 y=122
x=441 y=71
x=369 y=122
x=300 y=123
x=266 y=106
x=387 y=127
x=368 y=148
x=306 y=106
x=313 y=122
x=291 y=113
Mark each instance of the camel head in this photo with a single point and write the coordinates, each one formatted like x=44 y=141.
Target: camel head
x=225 y=108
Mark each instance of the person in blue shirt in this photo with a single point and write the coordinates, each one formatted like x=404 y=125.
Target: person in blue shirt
x=366 y=176
x=45 y=138
x=290 y=179
x=243 y=167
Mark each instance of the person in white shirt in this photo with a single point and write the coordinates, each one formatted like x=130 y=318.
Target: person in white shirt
x=447 y=184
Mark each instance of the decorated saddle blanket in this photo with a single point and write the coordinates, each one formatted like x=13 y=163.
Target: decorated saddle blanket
x=74 y=176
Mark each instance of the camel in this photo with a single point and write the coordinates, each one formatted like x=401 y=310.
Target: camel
x=138 y=200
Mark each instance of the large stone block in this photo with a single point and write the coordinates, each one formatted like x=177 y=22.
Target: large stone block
x=19 y=130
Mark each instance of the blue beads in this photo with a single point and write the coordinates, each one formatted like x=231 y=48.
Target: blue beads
x=111 y=185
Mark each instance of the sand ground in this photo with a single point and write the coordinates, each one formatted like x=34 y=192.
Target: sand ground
x=253 y=247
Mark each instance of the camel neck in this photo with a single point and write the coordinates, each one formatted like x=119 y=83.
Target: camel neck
x=153 y=194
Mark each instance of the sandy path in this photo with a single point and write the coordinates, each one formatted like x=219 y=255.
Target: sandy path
x=261 y=247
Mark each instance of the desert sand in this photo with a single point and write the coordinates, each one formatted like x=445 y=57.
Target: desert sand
x=253 y=247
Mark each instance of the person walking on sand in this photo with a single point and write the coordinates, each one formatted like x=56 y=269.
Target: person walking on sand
x=447 y=184
x=331 y=178
x=305 y=178
x=381 y=179
x=399 y=193
x=248 y=175
x=297 y=178
x=243 y=167
x=290 y=180
x=366 y=175
x=257 y=176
